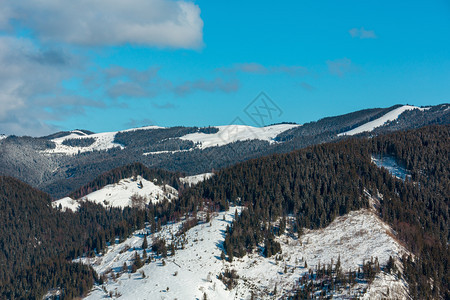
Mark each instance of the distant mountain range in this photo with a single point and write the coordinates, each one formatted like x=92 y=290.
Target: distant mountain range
x=64 y=161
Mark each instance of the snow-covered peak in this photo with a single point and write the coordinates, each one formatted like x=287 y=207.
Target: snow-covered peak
x=3 y=136
x=233 y=133
x=120 y=194
x=390 y=116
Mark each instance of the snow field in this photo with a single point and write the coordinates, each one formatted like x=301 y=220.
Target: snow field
x=194 y=179
x=390 y=116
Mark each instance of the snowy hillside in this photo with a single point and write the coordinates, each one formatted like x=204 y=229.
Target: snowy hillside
x=3 y=136
x=390 y=116
x=194 y=269
x=121 y=194
x=233 y=133
x=103 y=141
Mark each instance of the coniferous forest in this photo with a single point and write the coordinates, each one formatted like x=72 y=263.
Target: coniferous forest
x=315 y=185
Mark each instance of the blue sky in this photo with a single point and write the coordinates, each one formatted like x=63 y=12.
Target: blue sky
x=111 y=64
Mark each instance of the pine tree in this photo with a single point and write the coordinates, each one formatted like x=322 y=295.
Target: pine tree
x=144 y=243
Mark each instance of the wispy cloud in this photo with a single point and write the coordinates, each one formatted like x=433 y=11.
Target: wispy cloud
x=124 y=83
x=362 y=33
x=256 y=68
x=307 y=86
x=158 y=23
x=215 y=85
x=167 y=105
x=133 y=123
x=340 y=67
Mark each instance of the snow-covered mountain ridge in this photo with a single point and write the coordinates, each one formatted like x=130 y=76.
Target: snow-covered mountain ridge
x=224 y=135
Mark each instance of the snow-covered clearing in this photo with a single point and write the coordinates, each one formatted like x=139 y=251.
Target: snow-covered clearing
x=233 y=133
x=193 y=271
x=389 y=163
x=66 y=203
x=194 y=179
x=390 y=116
x=120 y=194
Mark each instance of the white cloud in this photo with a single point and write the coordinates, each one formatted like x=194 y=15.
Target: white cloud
x=362 y=33
x=30 y=87
x=160 y=23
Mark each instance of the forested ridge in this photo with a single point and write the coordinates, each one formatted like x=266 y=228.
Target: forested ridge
x=315 y=185
x=318 y=183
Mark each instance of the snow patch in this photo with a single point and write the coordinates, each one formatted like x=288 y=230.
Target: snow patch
x=194 y=179
x=66 y=203
x=389 y=163
x=390 y=116
x=233 y=133
x=165 y=152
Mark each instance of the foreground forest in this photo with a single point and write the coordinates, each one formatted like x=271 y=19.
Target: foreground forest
x=315 y=184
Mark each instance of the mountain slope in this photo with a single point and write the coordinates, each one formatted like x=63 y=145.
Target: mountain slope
x=328 y=197
x=194 y=270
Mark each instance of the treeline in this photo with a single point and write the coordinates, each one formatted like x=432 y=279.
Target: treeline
x=132 y=170
x=79 y=142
